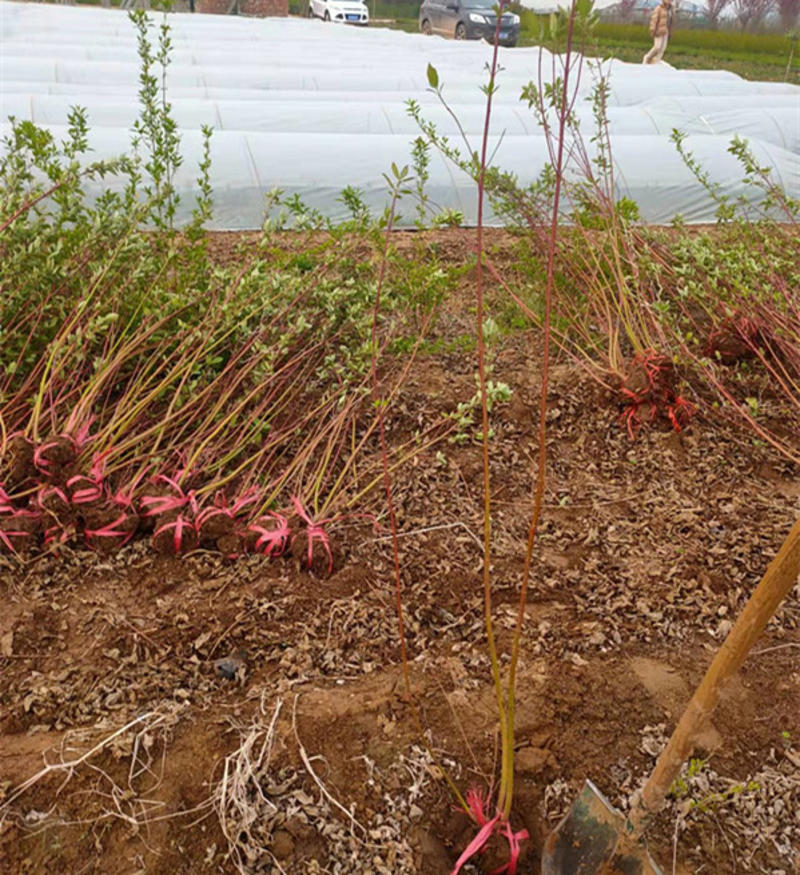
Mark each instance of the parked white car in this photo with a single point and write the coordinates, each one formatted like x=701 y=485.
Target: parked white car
x=343 y=11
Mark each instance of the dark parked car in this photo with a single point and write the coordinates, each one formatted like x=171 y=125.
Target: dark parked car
x=468 y=19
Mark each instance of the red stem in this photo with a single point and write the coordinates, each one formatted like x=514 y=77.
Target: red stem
x=505 y=802
x=387 y=480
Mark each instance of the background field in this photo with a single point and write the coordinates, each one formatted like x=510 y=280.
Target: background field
x=754 y=56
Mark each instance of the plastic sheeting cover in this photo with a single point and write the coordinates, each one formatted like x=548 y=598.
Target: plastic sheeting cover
x=311 y=108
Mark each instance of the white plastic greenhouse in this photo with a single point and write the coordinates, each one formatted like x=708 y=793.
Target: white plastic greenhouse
x=310 y=108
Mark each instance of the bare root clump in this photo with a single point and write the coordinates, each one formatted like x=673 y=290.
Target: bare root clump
x=268 y=811
x=131 y=798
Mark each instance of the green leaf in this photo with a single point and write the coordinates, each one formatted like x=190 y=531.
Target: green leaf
x=433 y=77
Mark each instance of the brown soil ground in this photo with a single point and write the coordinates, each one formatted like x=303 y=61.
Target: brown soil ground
x=310 y=758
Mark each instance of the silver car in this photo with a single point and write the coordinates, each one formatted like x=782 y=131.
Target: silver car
x=468 y=19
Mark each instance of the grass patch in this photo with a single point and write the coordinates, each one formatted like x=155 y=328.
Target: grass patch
x=703 y=41
x=752 y=56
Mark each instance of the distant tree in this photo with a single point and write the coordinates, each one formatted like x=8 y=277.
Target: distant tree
x=626 y=9
x=789 y=11
x=714 y=9
x=750 y=13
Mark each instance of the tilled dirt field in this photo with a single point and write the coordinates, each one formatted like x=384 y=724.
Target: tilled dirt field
x=301 y=754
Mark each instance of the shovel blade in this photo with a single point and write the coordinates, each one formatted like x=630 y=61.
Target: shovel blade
x=592 y=840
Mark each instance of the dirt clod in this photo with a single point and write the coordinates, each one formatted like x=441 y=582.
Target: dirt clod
x=282 y=845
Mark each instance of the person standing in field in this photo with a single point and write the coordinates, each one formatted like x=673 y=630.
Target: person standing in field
x=660 y=29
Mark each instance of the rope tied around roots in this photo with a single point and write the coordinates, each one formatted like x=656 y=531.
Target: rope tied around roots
x=651 y=382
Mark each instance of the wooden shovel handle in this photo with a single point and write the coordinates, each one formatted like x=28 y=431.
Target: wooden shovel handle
x=777 y=583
